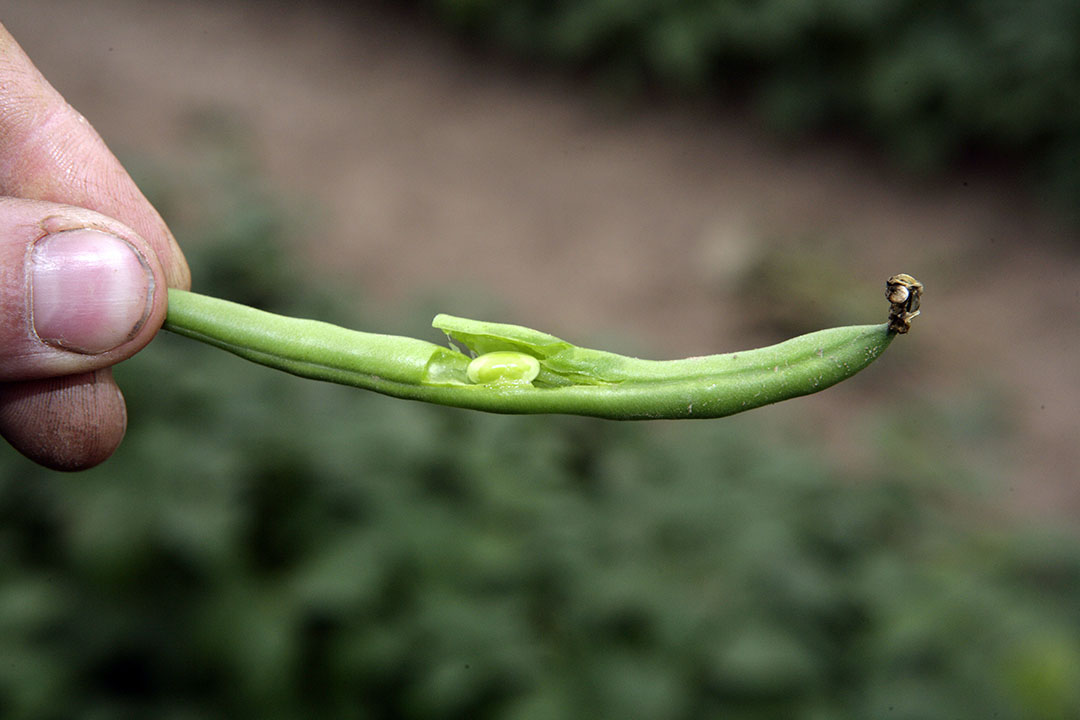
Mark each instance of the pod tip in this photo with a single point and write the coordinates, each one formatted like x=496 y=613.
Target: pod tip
x=903 y=292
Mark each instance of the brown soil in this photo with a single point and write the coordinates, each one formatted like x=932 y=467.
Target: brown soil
x=428 y=167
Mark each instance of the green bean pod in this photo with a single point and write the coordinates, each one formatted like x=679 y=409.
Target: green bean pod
x=569 y=379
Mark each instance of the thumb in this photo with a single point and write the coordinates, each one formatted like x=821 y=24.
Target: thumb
x=78 y=293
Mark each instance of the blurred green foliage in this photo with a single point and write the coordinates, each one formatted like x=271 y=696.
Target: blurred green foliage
x=932 y=82
x=268 y=547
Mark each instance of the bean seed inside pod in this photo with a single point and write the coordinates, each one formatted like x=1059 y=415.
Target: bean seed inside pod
x=503 y=367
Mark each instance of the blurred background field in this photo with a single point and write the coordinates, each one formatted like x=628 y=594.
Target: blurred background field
x=660 y=178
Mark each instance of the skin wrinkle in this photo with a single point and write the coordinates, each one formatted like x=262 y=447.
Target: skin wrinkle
x=49 y=163
x=15 y=288
x=23 y=105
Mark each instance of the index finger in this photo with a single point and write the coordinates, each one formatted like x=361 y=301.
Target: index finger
x=48 y=151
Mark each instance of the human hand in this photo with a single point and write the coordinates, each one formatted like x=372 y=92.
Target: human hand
x=85 y=262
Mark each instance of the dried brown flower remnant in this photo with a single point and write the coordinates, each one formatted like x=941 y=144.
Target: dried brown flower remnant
x=904 y=292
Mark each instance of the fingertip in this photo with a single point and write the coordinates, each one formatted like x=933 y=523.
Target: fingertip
x=66 y=423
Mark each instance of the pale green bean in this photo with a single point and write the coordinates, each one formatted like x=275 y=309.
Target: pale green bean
x=533 y=372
